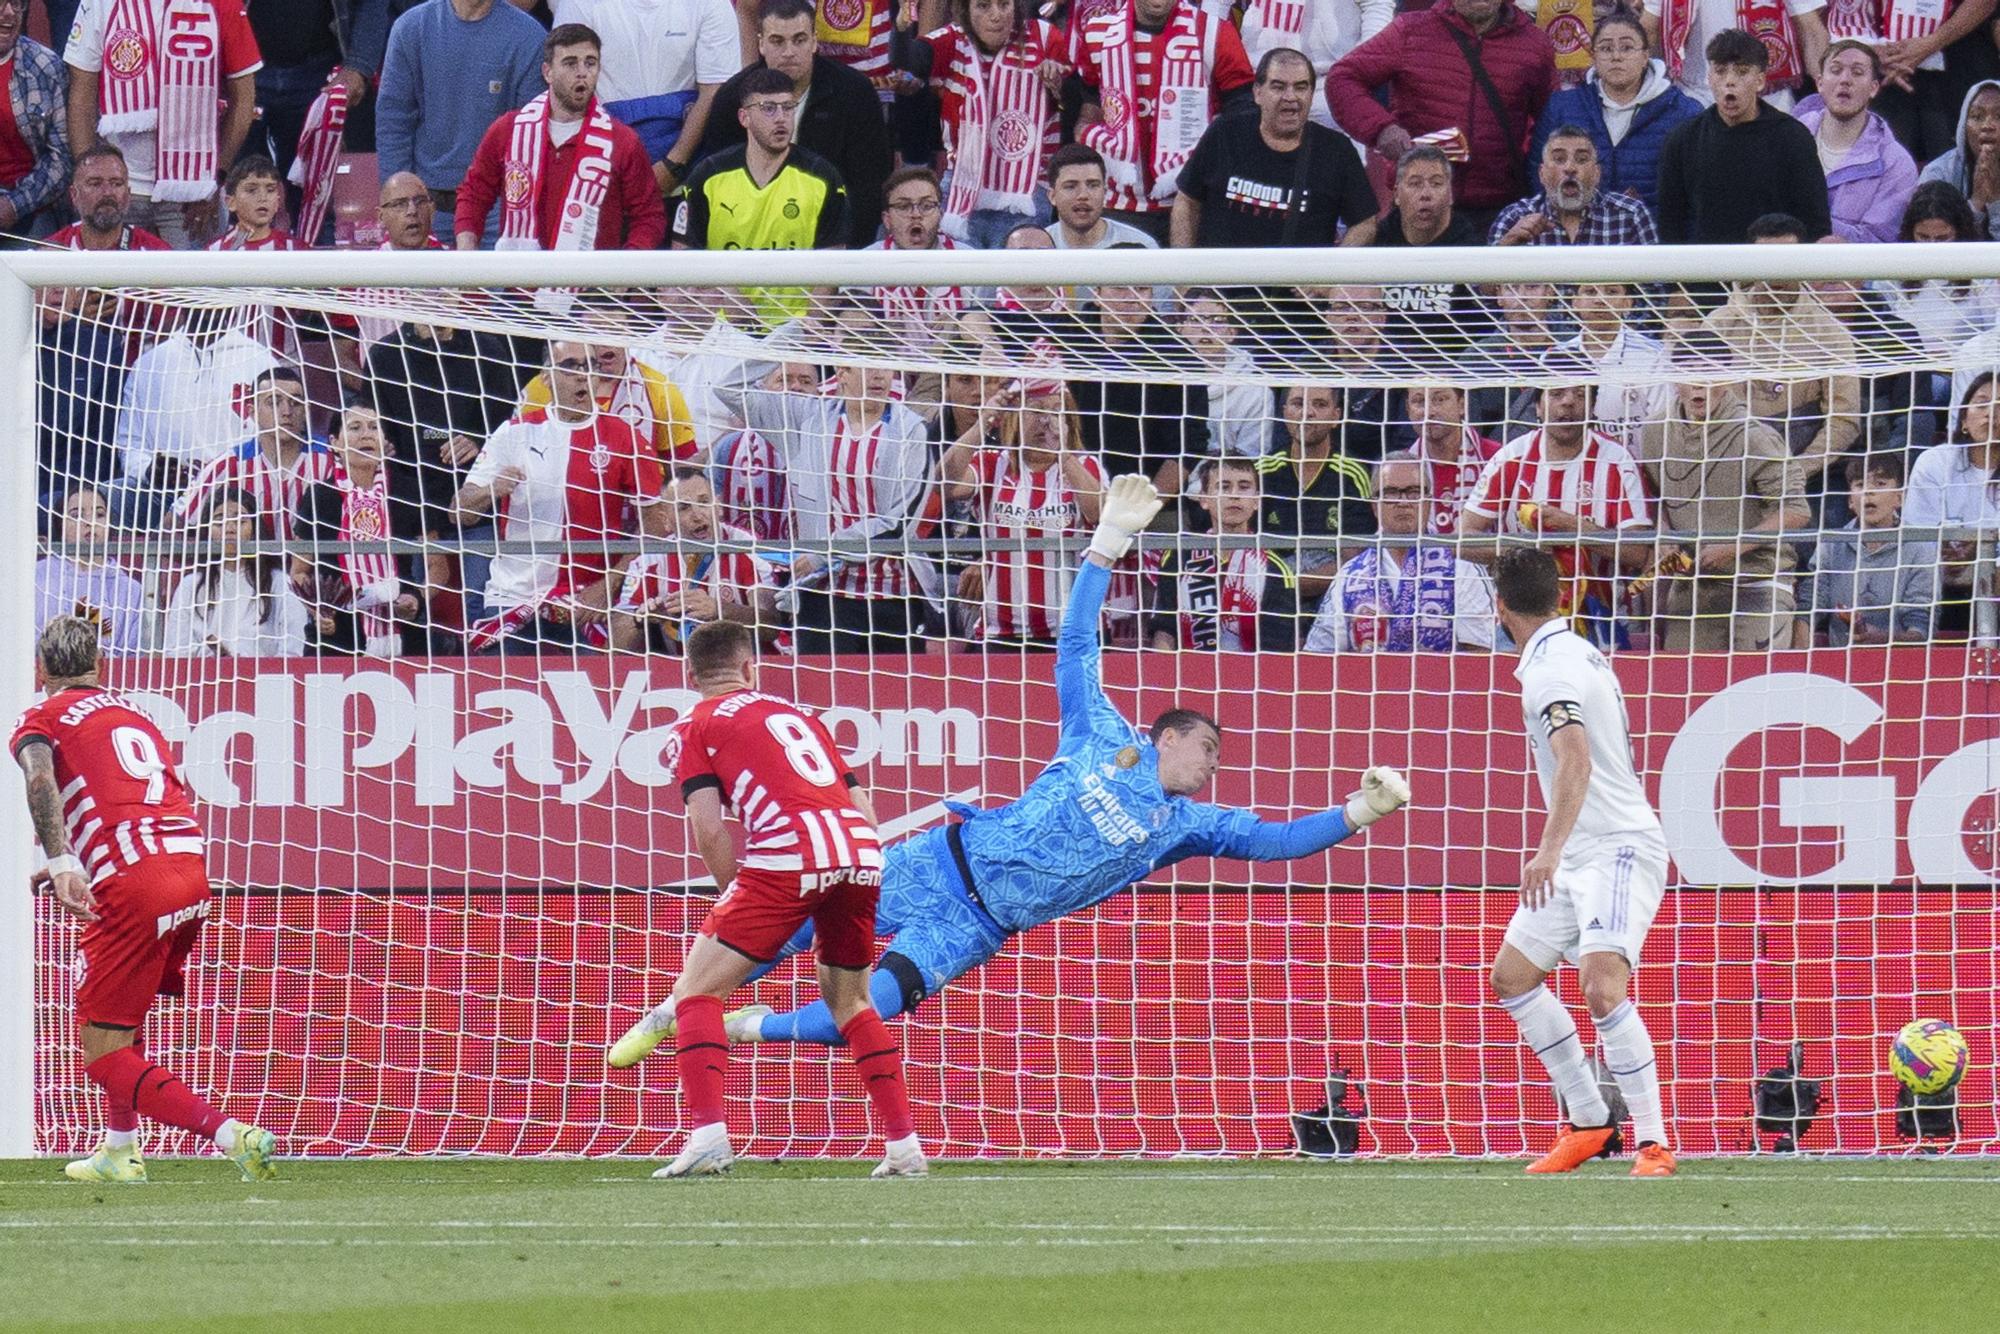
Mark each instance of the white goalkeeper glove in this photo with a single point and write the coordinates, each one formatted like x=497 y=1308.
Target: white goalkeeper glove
x=1130 y=503
x=1383 y=792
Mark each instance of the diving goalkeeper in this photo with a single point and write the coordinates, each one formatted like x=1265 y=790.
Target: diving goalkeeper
x=1110 y=809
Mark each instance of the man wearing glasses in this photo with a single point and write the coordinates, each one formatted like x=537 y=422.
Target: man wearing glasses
x=564 y=478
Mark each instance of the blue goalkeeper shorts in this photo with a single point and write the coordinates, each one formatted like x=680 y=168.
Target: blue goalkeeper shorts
x=926 y=913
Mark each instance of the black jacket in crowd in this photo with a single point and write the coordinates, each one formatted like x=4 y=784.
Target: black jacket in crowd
x=1716 y=179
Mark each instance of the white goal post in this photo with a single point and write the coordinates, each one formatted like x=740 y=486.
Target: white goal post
x=331 y=281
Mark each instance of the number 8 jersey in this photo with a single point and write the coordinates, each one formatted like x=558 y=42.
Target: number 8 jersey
x=776 y=767
x=123 y=799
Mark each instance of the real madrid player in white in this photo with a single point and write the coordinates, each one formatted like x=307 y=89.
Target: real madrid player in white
x=1590 y=891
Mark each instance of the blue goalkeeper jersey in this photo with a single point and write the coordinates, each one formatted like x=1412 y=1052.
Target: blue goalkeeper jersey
x=1097 y=820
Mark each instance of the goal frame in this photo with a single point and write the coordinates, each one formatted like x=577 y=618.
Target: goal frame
x=23 y=273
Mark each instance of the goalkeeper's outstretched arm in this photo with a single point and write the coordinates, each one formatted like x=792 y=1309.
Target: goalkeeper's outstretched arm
x=1129 y=504
x=1238 y=833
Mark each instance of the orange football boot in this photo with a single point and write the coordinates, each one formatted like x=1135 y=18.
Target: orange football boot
x=1577 y=1146
x=1655 y=1160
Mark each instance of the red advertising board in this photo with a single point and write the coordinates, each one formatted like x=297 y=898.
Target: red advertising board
x=460 y=873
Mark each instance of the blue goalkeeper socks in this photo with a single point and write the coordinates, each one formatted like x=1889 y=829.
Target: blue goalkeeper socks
x=815 y=1022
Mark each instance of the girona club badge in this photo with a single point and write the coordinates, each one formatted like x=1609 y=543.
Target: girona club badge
x=1568 y=27
x=125 y=52
x=1117 y=107
x=366 y=523
x=1771 y=33
x=600 y=458
x=1013 y=136
x=515 y=183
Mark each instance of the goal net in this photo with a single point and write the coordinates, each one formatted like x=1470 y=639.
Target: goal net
x=449 y=876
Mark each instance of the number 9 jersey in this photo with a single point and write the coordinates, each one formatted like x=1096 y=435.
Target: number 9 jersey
x=776 y=766
x=123 y=799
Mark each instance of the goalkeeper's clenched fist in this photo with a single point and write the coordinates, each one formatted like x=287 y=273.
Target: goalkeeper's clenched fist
x=1383 y=792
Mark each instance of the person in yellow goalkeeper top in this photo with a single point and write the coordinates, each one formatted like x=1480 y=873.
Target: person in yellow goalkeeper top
x=765 y=194
x=640 y=395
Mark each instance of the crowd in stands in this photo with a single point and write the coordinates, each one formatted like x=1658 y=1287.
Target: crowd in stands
x=1778 y=504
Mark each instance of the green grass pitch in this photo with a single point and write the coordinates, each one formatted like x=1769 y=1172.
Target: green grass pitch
x=438 y=1246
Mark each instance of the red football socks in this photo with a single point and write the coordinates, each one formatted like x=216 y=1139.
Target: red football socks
x=702 y=1051
x=132 y=1082
x=880 y=1063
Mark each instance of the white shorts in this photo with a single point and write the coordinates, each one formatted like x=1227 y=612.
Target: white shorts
x=1603 y=903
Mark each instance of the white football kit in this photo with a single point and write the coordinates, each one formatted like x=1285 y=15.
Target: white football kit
x=1613 y=871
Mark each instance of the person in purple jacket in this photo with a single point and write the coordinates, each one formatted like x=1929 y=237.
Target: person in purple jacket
x=81 y=580
x=1869 y=175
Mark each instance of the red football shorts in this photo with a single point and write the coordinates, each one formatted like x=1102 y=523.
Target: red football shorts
x=149 y=917
x=762 y=910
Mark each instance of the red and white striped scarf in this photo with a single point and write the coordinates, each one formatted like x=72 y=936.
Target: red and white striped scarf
x=1274 y=23
x=313 y=170
x=1886 y=20
x=364 y=517
x=521 y=180
x=162 y=72
x=1766 y=20
x=919 y=313
x=1185 y=55
x=1000 y=137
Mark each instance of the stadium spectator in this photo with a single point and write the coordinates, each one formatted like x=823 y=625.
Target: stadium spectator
x=914 y=316
x=1870 y=583
x=275 y=465
x=1766 y=324
x=1572 y=208
x=1452 y=452
x=1626 y=103
x=1957 y=485
x=1684 y=31
x=1481 y=67
x=1143 y=425
x=1273 y=179
x=565 y=174
x=639 y=394
x=452 y=69
x=1391 y=598
x=305 y=43
x=1349 y=346
x=1022 y=315
x=1512 y=357
x=161 y=113
x=748 y=469
x=1946 y=315
x=34 y=134
x=1740 y=159
x=857 y=466
x=1077 y=191
x=1926 y=50
x=1239 y=408
x=1565 y=477
x=665 y=594
x=997 y=72
x=101 y=193
x=80 y=579
x=182 y=405
x=1973 y=164
x=1869 y=176
x=1311 y=487
x=664 y=61
x=253 y=195
x=407 y=217
x=357 y=602
x=1428 y=321
x=1236 y=600
x=232 y=604
x=1635 y=377
x=1720 y=473
x=1323 y=30
x=1022 y=471
x=440 y=392
x=837 y=113
x=768 y=193
x=1155 y=74
x=542 y=469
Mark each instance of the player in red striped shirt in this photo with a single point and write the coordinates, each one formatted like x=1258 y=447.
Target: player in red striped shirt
x=124 y=858
x=1566 y=477
x=276 y=465
x=811 y=854
x=1023 y=465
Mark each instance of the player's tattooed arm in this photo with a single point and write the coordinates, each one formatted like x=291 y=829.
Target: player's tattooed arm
x=44 y=798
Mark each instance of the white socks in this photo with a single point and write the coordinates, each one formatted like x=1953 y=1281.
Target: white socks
x=1628 y=1050
x=226 y=1134
x=905 y=1147
x=1550 y=1032
x=120 y=1139
x=702 y=1137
